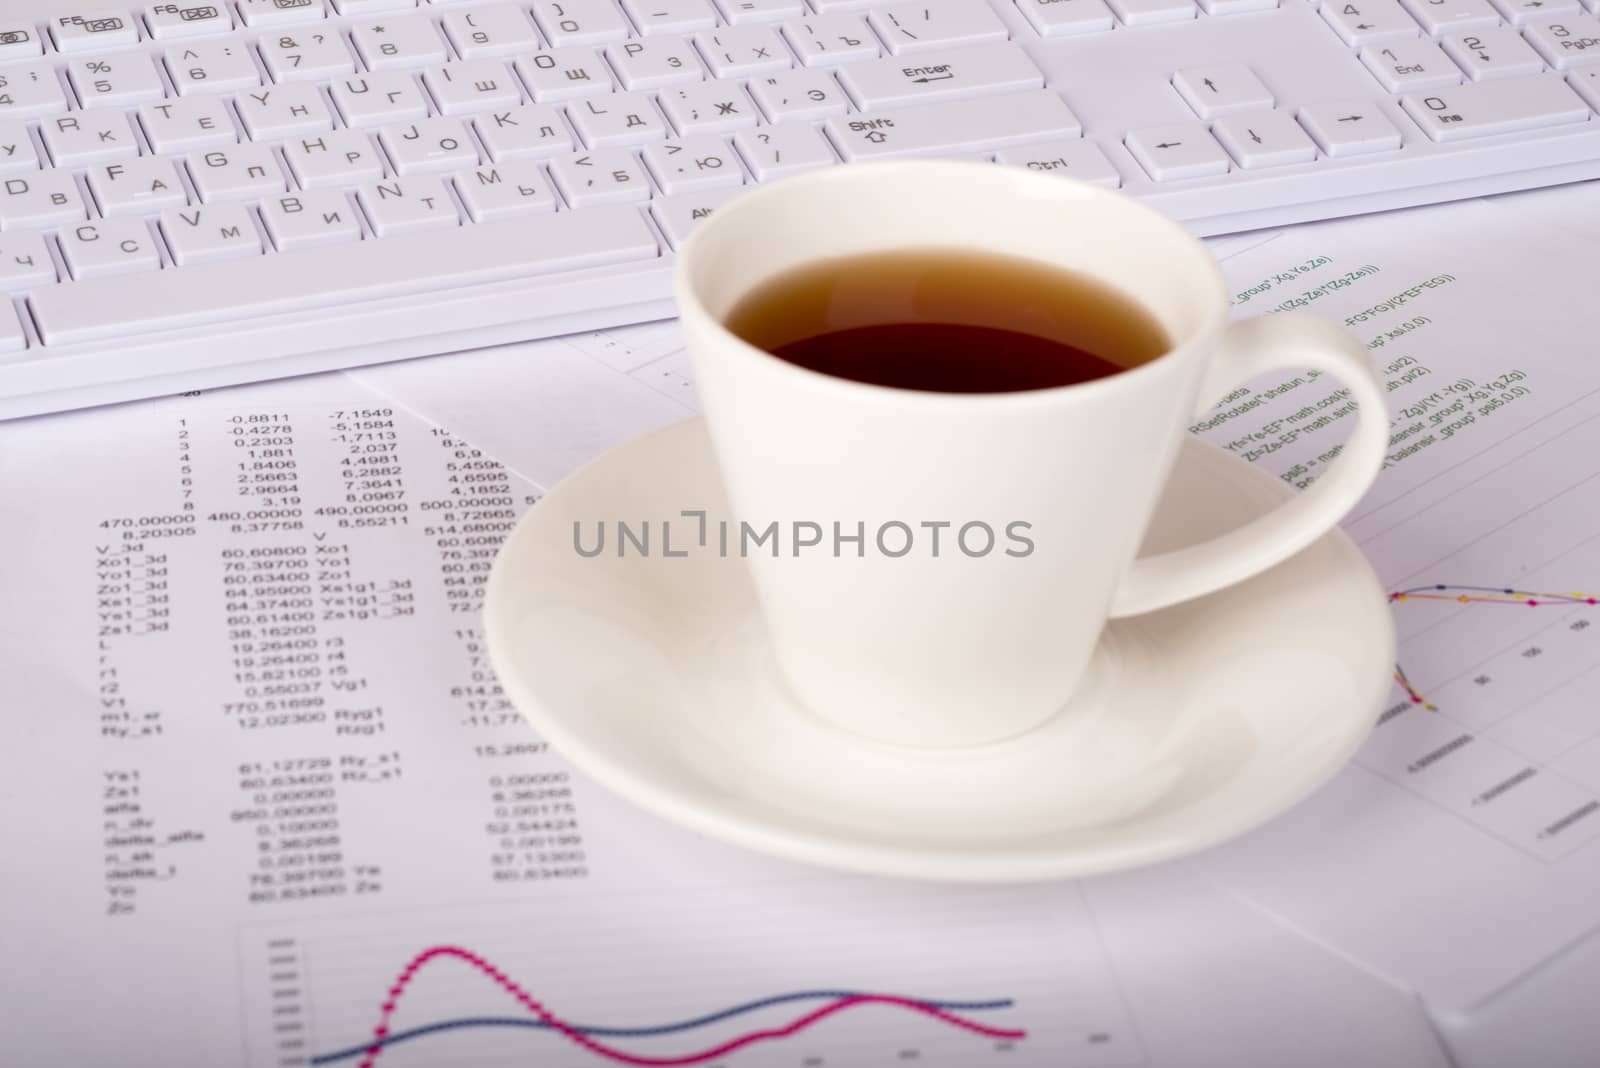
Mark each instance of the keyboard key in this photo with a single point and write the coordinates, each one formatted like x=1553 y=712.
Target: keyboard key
x=970 y=71
x=1063 y=18
x=18 y=41
x=262 y=285
x=1520 y=12
x=953 y=126
x=379 y=98
x=16 y=149
x=210 y=233
x=1236 y=7
x=141 y=186
x=472 y=85
x=169 y=21
x=174 y=126
x=402 y=41
x=1263 y=139
x=12 y=337
x=368 y=7
x=1443 y=16
x=88 y=33
x=1402 y=66
x=501 y=190
x=340 y=157
x=279 y=112
x=88 y=137
x=1150 y=12
x=1587 y=83
x=687 y=163
x=1566 y=43
x=775 y=151
x=1078 y=159
x=1349 y=127
x=429 y=146
x=310 y=217
x=529 y=131
x=490 y=30
x=824 y=40
x=1217 y=90
x=1479 y=109
x=41 y=199
x=799 y=95
x=271 y=14
x=678 y=215
x=744 y=12
x=212 y=67
x=311 y=53
x=622 y=118
x=741 y=51
x=1493 y=53
x=709 y=107
x=115 y=81
x=604 y=176
x=564 y=74
x=236 y=172
x=916 y=27
x=406 y=205
x=1177 y=150
x=25 y=262
x=655 y=63
x=1360 y=22
x=670 y=16
x=29 y=90
x=109 y=247
x=573 y=22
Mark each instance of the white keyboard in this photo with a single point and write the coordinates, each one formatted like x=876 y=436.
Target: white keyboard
x=202 y=192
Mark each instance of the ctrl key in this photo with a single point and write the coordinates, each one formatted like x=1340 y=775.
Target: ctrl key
x=1078 y=159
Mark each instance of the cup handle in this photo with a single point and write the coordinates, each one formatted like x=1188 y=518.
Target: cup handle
x=1252 y=347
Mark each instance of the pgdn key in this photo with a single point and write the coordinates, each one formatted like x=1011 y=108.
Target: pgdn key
x=953 y=126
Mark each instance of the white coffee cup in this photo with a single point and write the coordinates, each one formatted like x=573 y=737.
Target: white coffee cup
x=962 y=649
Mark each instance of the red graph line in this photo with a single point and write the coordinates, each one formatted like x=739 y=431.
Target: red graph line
x=624 y=1057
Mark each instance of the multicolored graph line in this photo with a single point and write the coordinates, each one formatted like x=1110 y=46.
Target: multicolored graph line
x=583 y=1035
x=1490 y=595
x=1478 y=595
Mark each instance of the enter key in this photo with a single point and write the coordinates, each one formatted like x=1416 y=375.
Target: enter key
x=945 y=73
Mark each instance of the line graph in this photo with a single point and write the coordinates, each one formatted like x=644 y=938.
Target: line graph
x=692 y=972
x=1459 y=594
x=584 y=1036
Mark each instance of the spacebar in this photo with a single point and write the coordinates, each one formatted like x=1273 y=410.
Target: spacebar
x=427 y=262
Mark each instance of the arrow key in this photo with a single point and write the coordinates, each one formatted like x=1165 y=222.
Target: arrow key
x=1360 y=22
x=1257 y=139
x=1219 y=89
x=1349 y=127
x=1177 y=150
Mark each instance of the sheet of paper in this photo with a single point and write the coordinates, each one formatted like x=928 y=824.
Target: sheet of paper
x=266 y=805
x=1459 y=851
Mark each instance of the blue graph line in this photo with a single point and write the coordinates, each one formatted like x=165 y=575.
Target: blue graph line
x=636 y=1032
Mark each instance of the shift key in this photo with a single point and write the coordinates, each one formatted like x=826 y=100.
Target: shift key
x=948 y=72
x=953 y=126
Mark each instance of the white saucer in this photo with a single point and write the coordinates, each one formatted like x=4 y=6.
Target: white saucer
x=653 y=675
